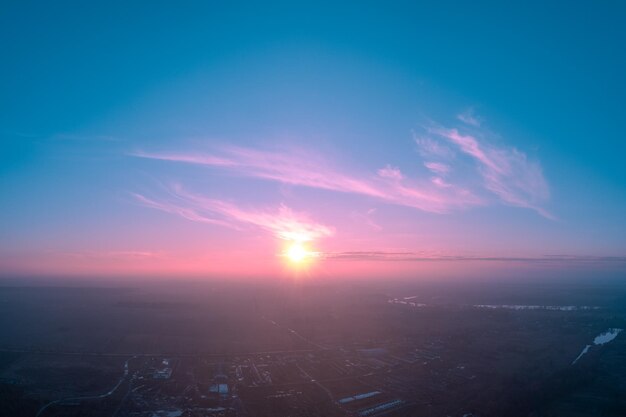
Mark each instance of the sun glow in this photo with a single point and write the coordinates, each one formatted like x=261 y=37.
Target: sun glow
x=297 y=253
x=298 y=238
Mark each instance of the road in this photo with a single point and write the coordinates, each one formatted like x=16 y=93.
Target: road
x=295 y=333
x=91 y=397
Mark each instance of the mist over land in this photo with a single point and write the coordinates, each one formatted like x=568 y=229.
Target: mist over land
x=311 y=348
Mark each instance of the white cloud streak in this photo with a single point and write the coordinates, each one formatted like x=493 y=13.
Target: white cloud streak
x=282 y=222
x=468 y=117
x=506 y=172
x=299 y=168
x=437 y=167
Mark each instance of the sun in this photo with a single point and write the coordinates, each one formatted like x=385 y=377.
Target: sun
x=297 y=253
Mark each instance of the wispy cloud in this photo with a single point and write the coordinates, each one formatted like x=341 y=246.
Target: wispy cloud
x=469 y=117
x=303 y=169
x=504 y=171
x=507 y=172
x=282 y=222
x=432 y=148
x=189 y=213
x=390 y=172
x=367 y=218
x=432 y=257
x=438 y=168
x=440 y=182
x=293 y=167
x=189 y=158
x=114 y=255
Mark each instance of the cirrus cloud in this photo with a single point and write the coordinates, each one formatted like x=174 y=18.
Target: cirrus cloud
x=282 y=222
x=507 y=172
x=504 y=171
x=305 y=169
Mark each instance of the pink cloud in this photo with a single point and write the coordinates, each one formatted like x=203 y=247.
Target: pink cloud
x=429 y=148
x=186 y=212
x=440 y=182
x=425 y=256
x=506 y=172
x=367 y=219
x=282 y=222
x=290 y=168
x=468 y=117
x=437 y=167
x=390 y=172
x=303 y=169
x=189 y=158
x=115 y=255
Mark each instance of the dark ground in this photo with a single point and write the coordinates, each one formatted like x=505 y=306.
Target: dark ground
x=296 y=349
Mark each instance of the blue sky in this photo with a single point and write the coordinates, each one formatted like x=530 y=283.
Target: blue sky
x=103 y=106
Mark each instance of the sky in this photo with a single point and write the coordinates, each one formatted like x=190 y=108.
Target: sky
x=252 y=140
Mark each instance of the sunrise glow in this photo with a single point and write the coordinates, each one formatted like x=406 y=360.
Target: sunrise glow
x=298 y=254
x=320 y=209
x=298 y=149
